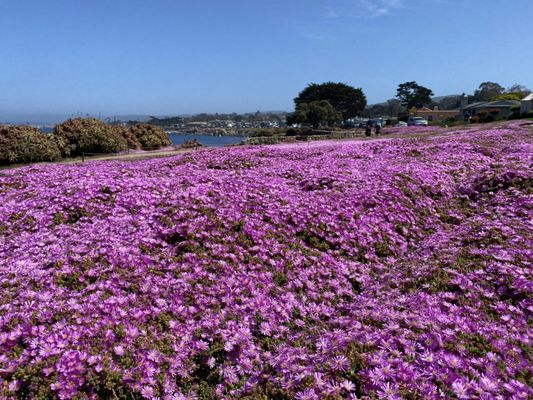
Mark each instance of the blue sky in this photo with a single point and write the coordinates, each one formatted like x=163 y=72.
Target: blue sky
x=173 y=57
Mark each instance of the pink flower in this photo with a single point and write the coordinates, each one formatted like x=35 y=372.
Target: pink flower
x=460 y=390
x=119 y=350
x=348 y=386
x=13 y=385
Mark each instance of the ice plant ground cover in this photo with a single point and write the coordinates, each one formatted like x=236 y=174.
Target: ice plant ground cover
x=397 y=268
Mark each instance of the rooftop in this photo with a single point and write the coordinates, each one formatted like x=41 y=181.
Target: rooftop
x=489 y=104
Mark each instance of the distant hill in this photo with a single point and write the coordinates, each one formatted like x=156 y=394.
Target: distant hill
x=438 y=99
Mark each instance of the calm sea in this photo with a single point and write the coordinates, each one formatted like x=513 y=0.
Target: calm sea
x=179 y=138
x=206 y=140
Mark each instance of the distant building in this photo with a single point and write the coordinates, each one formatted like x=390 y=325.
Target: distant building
x=526 y=104
x=436 y=114
x=473 y=108
x=503 y=107
x=196 y=124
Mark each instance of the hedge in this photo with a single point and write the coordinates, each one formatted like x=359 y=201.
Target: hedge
x=25 y=144
x=88 y=135
x=150 y=137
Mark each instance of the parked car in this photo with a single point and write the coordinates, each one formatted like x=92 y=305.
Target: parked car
x=373 y=122
x=401 y=124
x=378 y=121
x=417 y=121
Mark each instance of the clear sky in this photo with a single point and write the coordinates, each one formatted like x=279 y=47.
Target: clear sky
x=173 y=57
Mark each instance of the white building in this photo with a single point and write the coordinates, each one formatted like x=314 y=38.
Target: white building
x=526 y=104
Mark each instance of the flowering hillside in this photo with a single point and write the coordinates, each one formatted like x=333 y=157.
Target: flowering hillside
x=397 y=268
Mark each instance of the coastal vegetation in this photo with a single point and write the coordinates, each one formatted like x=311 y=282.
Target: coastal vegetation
x=327 y=103
x=88 y=135
x=396 y=268
x=76 y=137
x=150 y=137
x=25 y=144
x=327 y=106
x=257 y=116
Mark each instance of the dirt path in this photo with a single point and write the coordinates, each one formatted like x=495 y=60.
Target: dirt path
x=120 y=157
x=128 y=156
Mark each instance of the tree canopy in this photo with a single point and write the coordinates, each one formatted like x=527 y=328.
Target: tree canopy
x=449 y=102
x=518 y=89
x=411 y=94
x=488 y=90
x=345 y=99
x=315 y=113
x=507 y=96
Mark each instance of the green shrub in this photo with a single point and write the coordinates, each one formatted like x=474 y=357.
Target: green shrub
x=517 y=115
x=191 y=144
x=88 y=135
x=128 y=135
x=292 y=132
x=25 y=144
x=261 y=132
x=150 y=137
x=507 y=96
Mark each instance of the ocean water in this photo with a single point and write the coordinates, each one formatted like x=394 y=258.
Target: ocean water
x=179 y=138
x=206 y=140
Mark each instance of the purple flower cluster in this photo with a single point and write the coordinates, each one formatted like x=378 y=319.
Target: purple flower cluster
x=420 y=129
x=396 y=268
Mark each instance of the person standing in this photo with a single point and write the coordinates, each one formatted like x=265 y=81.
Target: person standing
x=368 y=130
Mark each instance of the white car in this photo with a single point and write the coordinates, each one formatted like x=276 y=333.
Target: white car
x=401 y=124
x=417 y=121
